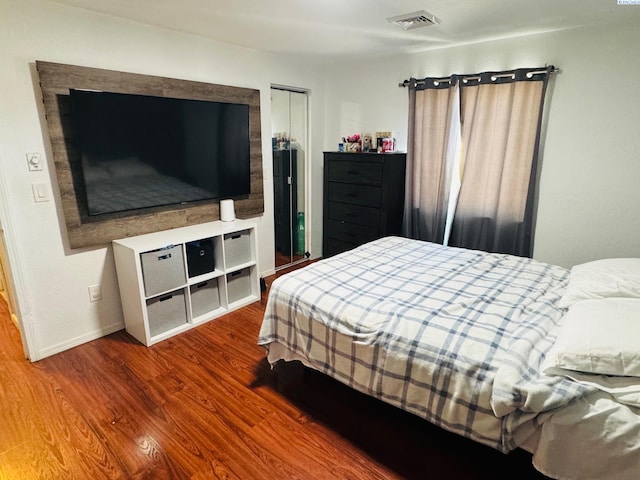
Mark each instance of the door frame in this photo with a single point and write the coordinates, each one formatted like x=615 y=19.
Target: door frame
x=15 y=280
x=308 y=214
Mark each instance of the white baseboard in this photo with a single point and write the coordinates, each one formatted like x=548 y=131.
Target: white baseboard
x=268 y=273
x=74 y=342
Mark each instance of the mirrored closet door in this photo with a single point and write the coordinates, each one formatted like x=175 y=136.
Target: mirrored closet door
x=289 y=127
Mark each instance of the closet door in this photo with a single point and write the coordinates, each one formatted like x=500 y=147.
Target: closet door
x=289 y=146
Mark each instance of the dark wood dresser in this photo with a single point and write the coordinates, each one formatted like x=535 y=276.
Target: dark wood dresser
x=363 y=198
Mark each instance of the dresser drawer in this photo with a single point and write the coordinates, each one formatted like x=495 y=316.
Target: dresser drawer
x=364 y=173
x=363 y=198
x=365 y=195
x=350 y=232
x=333 y=247
x=348 y=213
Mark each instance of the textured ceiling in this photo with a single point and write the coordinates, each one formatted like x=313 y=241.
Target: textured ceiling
x=343 y=28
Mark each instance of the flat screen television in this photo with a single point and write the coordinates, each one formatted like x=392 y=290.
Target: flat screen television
x=140 y=151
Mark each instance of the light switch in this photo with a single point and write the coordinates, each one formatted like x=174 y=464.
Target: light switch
x=40 y=192
x=34 y=160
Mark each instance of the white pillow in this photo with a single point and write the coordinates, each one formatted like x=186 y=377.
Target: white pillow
x=130 y=167
x=611 y=277
x=599 y=336
x=94 y=172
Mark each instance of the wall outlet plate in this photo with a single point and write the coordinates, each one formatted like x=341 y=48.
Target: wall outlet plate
x=95 y=293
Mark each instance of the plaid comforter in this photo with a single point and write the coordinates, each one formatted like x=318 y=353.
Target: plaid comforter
x=455 y=336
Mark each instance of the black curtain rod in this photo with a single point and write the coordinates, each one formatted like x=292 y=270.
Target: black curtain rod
x=495 y=76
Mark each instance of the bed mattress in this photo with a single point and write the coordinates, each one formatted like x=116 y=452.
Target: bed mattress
x=454 y=336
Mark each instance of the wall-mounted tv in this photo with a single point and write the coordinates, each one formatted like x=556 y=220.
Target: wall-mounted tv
x=142 y=151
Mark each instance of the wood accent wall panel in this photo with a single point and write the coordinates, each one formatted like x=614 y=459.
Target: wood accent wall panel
x=83 y=231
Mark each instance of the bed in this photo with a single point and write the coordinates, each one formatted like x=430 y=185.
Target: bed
x=476 y=343
x=128 y=184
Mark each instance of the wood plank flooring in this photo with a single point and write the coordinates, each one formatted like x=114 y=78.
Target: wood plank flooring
x=206 y=405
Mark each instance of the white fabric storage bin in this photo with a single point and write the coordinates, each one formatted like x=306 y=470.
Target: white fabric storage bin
x=166 y=312
x=238 y=285
x=162 y=269
x=237 y=248
x=205 y=297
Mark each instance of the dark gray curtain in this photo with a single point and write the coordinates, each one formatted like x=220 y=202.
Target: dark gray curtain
x=501 y=117
x=432 y=126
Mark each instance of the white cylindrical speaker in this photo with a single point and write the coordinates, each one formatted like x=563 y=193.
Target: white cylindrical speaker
x=227 y=213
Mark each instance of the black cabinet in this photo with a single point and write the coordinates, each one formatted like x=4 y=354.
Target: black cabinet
x=285 y=196
x=363 y=198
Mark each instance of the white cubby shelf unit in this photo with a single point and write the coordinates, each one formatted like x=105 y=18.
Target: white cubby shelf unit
x=174 y=280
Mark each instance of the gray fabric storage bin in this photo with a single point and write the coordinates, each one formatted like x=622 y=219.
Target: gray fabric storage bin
x=205 y=297
x=237 y=248
x=162 y=269
x=238 y=285
x=166 y=312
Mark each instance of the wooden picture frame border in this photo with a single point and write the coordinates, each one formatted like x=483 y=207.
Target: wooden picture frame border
x=84 y=231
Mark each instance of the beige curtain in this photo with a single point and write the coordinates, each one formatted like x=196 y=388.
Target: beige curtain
x=501 y=117
x=500 y=134
x=429 y=173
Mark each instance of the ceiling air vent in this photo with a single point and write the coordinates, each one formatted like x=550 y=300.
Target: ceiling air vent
x=412 y=20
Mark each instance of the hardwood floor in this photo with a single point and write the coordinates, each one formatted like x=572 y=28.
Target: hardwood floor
x=206 y=405
x=282 y=259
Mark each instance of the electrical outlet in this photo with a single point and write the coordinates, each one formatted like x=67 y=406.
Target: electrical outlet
x=95 y=293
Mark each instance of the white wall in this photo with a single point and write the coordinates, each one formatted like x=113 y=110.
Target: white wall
x=51 y=283
x=589 y=204
x=589 y=196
